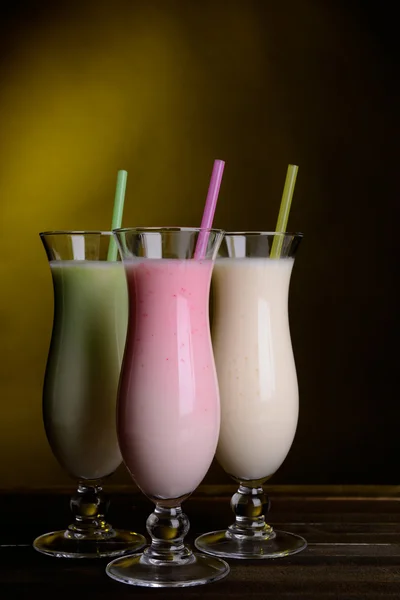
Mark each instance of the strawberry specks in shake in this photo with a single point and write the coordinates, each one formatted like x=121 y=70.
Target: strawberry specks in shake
x=171 y=300
x=175 y=390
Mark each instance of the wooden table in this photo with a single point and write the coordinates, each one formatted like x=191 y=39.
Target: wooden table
x=353 y=549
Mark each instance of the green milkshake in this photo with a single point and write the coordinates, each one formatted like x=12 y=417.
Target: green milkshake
x=83 y=367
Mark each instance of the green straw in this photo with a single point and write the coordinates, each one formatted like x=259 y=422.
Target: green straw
x=117 y=212
x=284 y=209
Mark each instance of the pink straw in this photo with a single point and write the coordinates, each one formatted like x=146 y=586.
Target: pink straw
x=209 y=209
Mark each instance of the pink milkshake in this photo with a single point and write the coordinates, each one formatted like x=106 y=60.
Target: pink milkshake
x=168 y=412
x=168 y=408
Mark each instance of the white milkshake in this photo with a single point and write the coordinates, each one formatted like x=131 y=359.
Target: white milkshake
x=258 y=386
x=255 y=365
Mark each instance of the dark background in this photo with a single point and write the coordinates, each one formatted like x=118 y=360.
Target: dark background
x=162 y=89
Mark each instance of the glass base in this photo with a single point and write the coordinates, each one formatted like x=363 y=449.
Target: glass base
x=61 y=545
x=137 y=570
x=279 y=544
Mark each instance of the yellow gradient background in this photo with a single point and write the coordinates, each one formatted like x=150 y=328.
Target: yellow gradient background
x=160 y=89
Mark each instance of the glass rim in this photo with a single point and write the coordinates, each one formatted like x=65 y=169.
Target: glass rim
x=264 y=233
x=74 y=232
x=167 y=229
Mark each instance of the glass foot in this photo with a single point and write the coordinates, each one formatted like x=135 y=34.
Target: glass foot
x=141 y=571
x=222 y=543
x=62 y=545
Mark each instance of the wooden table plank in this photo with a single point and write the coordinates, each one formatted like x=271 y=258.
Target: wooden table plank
x=353 y=551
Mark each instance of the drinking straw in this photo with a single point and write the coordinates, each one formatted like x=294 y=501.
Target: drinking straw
x=284 y=209
x=209 y=209
x=117 y=212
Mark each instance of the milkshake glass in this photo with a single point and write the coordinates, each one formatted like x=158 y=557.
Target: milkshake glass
x=80 y=387
x=258 y=386
x=168 y=412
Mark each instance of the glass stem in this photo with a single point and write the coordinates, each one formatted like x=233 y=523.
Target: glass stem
x=249 y=505
x=89 y=507
x=167 y=528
